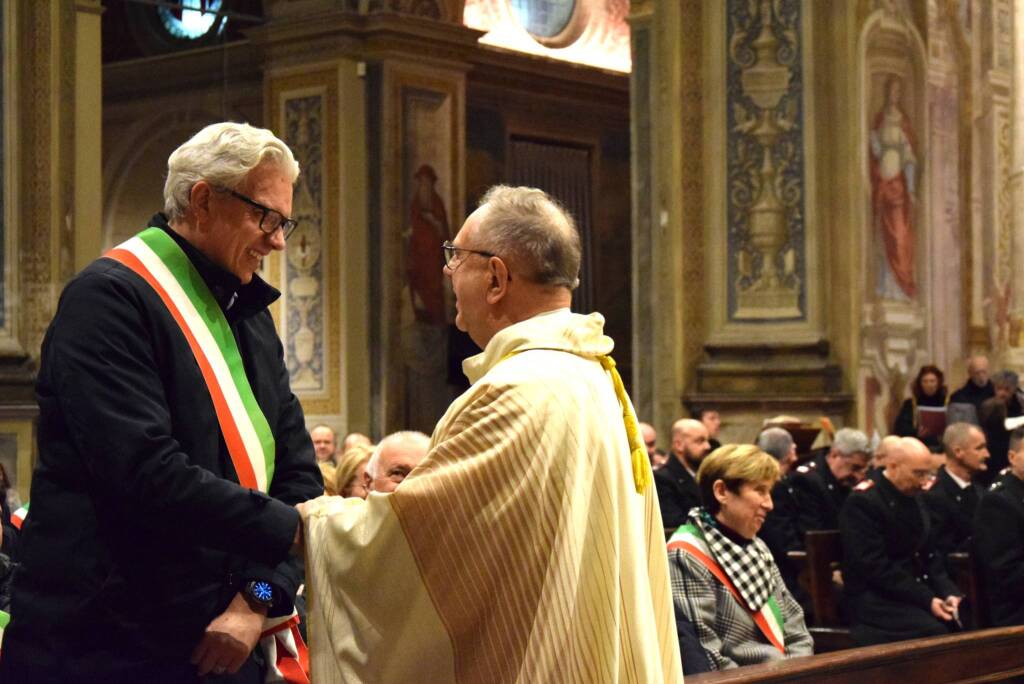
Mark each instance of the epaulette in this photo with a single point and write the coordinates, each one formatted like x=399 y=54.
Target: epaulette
x=807 y=467
x=996 y=486
x=864 y=485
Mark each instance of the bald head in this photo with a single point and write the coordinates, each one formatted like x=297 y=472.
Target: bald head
x=690 y=442
x=977 y=369
x=909 y=466
x=881 y=456
x=650 y=436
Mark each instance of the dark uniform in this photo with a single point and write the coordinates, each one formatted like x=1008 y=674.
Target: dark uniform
x=952 y=512
x=780 y=533
x=999 y=549
x=677 y=492
x=890 y=569
x=818 y=496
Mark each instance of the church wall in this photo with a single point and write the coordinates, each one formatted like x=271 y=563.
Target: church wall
x=499 y=116
x=865 y=311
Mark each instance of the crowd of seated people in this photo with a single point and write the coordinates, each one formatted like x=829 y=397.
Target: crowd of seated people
x=910 y=511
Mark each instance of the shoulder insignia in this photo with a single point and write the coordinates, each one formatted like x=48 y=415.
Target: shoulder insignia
x=864 y=485
x=804 y=469
x=996 y=486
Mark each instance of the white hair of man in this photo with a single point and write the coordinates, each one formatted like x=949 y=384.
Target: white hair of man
x=776 y=442
x=533 y=231
x=405 y=437
x=850 y=441
x=222 y=154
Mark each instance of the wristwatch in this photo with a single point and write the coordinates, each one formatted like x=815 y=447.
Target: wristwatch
x=259 y=592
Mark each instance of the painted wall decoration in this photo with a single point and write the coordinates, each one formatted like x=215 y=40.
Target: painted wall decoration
x=427 y=304
x=428 y=228
x=305 y=296
x=894 y=188
x=765 y=168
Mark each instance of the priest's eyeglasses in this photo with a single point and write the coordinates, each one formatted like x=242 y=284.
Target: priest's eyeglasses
x=451 y=259
x=270 y=219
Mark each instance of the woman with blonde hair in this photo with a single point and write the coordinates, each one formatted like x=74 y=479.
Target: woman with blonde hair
x=348 y=475
x=724 y=579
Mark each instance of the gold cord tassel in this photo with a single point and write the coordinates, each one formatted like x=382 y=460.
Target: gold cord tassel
x=642 y=474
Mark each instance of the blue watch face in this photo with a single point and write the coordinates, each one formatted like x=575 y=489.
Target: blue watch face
x=262 y=591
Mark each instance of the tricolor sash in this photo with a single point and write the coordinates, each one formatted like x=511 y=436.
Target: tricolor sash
x=157 y=259
x=18 y=516
x=285 y=651
x=769 y=618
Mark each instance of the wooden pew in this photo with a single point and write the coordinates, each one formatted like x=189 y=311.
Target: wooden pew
x=967 y=576
x=991 y=655
x=823 y=554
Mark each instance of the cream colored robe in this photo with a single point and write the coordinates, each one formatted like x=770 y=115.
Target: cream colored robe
x=518 y=551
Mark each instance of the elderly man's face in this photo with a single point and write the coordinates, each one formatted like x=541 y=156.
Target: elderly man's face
x=393 y=465
x=910 y=469
x=235 y=242
x=978 y=370
x=469 y=281
x=848 y=470
x=323 y=443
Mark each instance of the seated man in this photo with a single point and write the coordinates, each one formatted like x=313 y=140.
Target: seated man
x=677 y=480
x=780 y=531
x=953 y=498
x=999 y=540
x=724 y=580
x=896 y=584
x=393 y=459
x=656 y=455
x=821 y=487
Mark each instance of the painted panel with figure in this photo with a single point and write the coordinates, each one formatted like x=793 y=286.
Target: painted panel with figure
x=894 y=192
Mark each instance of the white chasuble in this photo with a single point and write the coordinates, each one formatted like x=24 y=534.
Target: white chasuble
x=518 y=551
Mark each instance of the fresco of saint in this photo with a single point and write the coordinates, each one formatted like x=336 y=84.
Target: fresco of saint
x=428 y=224
x=893 y=189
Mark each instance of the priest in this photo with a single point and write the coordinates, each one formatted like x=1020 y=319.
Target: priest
x=527 y=546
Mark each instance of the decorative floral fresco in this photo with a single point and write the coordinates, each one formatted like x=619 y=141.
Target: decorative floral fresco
x=304 y=291
x=765 y=164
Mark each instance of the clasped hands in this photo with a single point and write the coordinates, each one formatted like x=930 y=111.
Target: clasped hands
x=946 y=609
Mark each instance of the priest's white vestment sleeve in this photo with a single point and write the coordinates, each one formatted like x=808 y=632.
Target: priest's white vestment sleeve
x=518 y=551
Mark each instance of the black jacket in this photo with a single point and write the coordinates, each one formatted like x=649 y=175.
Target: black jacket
x=139 y=534
x=952 y=512
x=818 y=496
x=999 y=547
x=781 y=534
x=677 y=492
x=972 y=394
x=888 y=547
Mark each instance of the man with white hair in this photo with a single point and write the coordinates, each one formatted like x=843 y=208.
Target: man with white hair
x=821 y=486
x=393 y=459
x=526 y=546
x=171 y=448
x=896 y=581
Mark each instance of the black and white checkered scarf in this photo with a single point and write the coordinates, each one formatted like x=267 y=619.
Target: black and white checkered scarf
x=748 y=566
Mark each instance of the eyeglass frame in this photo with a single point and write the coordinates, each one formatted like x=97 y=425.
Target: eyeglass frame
x=287 y=225
x=449 y=252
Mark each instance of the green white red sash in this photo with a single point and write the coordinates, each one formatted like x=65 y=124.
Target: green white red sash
x=18 y=516
x=769 y=618
x=157 y=258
